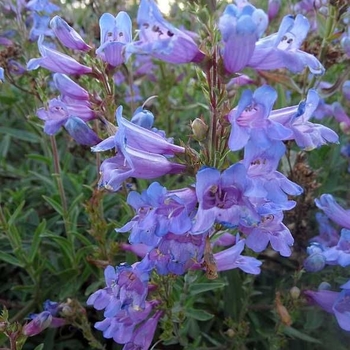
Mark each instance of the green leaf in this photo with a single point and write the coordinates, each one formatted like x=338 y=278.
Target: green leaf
x=294 y=333
x=57 y=206
x=36 y=240
x=198 y=288
x=20 y=134
x=10 y=259
x=39 y=347
x=199 y=315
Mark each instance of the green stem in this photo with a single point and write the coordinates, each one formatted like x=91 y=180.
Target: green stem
x=59 y=181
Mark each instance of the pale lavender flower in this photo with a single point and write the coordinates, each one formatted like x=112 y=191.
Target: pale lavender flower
x=346 y=89
x=281 y=50
x=251 y=123
x=306 y=134
x=68 y=87
x=159 y=38
x=269 y=229
x=115 y=34
x=333 y=210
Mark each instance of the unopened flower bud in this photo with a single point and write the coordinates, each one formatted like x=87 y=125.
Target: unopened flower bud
x=294 y=292
x=38 y=324
x=324 y=286
x=315 y=262
x=199 y=129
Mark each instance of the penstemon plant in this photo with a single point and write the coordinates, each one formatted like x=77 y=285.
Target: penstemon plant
x=190 y=180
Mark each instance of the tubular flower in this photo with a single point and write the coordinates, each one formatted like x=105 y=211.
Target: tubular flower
x=336 y=303
x=161 y=39
x=115 y=34
x=281 y=50
x=67 y=35
x=56 y=61
x=240 y=29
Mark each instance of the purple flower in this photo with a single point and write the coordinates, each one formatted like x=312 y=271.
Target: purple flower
x=270 y=229
x=126 y=289
x=222 y=198
x=336 y=303
x=333 y=210
x=175 y=254
x=281 y=50
x=273 y=8
x=250 y=122
x=240 y=29
x=160 y=39
x=306 y=134
x=67 y=35
x=67 y=87
x=142 y=337
x=231 y=258
x=81 y=132
x=328 y=235
x=268 y=186
x=56 y=61
x=158 y=212
x=115 y=34
x=131 y=162
x=339 y=254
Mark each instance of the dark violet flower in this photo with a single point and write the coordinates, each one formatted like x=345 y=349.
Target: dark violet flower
x=281 y=50
x=250 y=122
x=333 y=210
x=175 y=254
x=336 y=303
x=38 y=324
x=222 y=199
x=158 y=212
x=81 y=132
x=159 y=38
x=15 y=67
x=240 y=29
x=115 y=34
x=56 y=61
x=143 y=335
x=126 y=289
x=306 y=134
x=269 y=229
x=67 y=35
